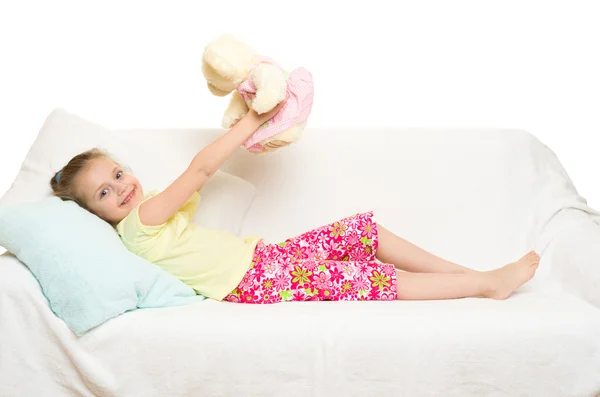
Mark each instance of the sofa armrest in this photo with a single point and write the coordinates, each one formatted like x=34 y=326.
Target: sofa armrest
x=15 y=277
x=575 y=259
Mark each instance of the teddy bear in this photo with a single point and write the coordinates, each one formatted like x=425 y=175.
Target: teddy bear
x=256 y=81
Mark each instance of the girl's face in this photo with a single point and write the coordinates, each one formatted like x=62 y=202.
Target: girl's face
x=108 y=191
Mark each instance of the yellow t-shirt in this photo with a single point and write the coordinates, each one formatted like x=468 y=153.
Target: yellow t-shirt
x=212 y=262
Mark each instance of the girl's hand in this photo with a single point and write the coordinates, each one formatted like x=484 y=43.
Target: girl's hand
x=211 y=158
x=262 y=118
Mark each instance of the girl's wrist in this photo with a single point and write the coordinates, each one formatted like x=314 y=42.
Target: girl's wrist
x=254 y=118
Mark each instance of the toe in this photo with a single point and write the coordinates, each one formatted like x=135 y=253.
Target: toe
x=535 y=262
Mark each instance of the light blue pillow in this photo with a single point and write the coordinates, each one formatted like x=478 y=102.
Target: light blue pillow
x=85 y=271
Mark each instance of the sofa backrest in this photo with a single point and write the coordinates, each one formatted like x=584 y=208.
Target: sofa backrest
x=461 y=194
x=464 y=194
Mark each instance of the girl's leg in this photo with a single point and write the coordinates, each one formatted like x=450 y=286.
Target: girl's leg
x=408 y=257
x=495 y=284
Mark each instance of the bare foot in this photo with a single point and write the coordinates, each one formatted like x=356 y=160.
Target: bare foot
x=502 y=282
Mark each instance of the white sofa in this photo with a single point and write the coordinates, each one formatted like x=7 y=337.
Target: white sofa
x=481 y=198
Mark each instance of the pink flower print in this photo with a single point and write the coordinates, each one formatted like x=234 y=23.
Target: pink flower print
x=309 y=265
x=246 y=297
x=369 y=250
x=352 y=239
x=374 y=294
x=311 y=252
x=352 y=221
x=335 y=274
x=279 y=249
x=347 y=269
x=270 y=267
x=326 y=294
x=339 y=265
x=299 y=295
x=332 y=247
x=259 y=272
x=246 y=282
x=267 y=284
x=351 y=295
x=346 y=287
x=257 y=260
x=322 y=239
x=359 y=255
x=318 y=256
x=380 y=280
x=390 y=296
x=284 y=265
x=299 y=253
x=321 y=280
x=271 y=297
x=281 y=281
x=338 y=229
x=301 y=276
x=256 y=298
x=312 y=236
x=368 y=228
x=345 y=254
x=361 y=284
x=288 y=248
x=232 y=298
x=388 y=270
x=363 y=268
x=365 y=215
x=330 y=244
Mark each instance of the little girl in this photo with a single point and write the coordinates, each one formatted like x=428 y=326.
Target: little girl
x=351 y=259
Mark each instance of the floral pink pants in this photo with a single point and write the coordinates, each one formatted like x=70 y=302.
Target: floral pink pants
x=333 y=262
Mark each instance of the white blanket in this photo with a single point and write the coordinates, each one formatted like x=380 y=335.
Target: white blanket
x=534 y=344
x=477 y=198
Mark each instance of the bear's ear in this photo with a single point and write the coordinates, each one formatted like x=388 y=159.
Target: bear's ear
x=218 y=63
x=229 y=57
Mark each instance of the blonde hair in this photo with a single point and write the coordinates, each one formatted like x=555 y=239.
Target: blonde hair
x=63 y=182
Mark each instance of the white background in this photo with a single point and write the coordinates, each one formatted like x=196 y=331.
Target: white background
x=517 y=64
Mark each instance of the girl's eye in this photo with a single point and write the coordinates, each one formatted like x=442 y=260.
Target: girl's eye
x=103 y=193
x=119 y=174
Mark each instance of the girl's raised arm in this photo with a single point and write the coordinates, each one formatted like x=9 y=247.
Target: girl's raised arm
x=164 y=205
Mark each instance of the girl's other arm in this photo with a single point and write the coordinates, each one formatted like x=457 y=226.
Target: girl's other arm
x=161 y=207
